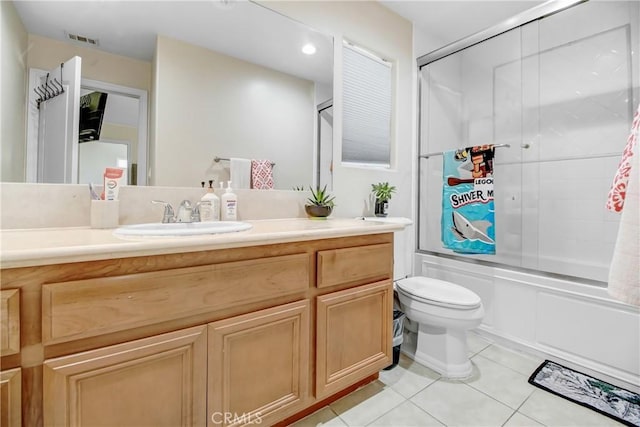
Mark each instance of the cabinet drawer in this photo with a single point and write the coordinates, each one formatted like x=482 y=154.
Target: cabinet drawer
x=86 y=308
x=361 y=263
x=9 y=321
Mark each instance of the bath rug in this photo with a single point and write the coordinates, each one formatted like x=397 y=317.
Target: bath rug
x=609 y=400
x=468 y=222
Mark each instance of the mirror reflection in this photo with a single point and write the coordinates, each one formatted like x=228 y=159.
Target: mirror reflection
x=107 y=134
x=225 y=79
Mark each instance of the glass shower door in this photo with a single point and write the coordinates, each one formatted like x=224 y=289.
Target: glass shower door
x=579 y=107
x=461 y=105
x=561 y=91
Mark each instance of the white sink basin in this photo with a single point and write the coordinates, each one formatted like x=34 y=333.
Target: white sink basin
x=181 y=228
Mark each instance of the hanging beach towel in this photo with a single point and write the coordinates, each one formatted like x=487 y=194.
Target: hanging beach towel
x=618 y=191
x=468 y=220
x=624 y=273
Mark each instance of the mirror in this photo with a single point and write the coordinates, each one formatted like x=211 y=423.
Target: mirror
x=225 y=79
x=108 y=135
x=112 y=132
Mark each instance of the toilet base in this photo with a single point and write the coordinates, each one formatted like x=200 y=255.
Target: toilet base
x=444 y=351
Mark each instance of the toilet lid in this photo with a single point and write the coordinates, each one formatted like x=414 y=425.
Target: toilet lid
x=439 y=292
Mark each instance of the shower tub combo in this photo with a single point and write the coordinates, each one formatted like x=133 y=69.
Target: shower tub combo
x=558 y=86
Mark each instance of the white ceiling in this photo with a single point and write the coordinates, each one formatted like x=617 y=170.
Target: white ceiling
x=243 y=29
x=452 y=20
x=237 y=28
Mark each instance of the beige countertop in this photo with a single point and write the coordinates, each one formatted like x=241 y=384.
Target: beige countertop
x=44 y=246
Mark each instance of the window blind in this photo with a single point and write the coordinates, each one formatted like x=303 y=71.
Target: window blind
x=367 y=108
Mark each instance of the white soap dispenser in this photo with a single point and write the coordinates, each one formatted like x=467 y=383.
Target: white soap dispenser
x=210 y=205
x=229 y=204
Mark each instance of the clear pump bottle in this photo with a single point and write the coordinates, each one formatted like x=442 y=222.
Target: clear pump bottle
x=229 y=204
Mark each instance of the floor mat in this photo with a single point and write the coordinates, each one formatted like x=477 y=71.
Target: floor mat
x=614 y=402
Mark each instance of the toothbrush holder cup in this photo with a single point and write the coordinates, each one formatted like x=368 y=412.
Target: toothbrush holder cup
x=105 y=213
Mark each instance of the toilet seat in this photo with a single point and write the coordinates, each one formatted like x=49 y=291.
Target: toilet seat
x=438 y=292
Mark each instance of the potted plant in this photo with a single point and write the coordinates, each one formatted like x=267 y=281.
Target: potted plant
x=382 y=191
x=320 y=204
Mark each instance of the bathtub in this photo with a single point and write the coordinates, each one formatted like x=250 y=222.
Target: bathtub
x=570 y=322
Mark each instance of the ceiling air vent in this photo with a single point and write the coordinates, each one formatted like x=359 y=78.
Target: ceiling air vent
x=83 y=39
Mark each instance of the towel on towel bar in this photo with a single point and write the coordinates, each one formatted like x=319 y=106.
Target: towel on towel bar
x=468 y=223
x=624 y=272
x=261 y=174
x=240 y=172
x=618 y=191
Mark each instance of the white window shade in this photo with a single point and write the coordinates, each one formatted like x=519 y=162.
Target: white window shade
x=366 y=133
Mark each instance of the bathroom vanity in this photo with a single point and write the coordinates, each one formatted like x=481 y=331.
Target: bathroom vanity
x=261 y=326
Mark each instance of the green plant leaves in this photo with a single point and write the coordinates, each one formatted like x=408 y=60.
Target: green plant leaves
x=321 y=197
x=383 y=191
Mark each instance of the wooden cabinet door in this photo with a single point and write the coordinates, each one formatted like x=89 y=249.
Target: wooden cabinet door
x=259 y=366
x=156 y=381
x=11 y=398
x=9 y=321
x=354 y=335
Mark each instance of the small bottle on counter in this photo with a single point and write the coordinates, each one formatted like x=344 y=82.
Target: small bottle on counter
x=210 y=205
x=229 y=204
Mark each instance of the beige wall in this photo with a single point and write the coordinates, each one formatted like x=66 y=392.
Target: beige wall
x=46 y=54
x=13 y=92
x=375 y=27
x=209 y=104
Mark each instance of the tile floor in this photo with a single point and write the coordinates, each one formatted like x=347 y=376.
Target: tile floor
x=497 y=394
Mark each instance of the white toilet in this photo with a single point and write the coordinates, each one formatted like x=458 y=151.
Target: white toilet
x=439 y=314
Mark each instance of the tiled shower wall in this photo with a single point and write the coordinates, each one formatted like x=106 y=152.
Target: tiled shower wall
x=562 y=92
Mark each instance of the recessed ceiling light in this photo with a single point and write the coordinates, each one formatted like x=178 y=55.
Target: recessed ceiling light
x=308 y=49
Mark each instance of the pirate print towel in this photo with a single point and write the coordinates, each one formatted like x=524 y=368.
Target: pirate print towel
x=468 y=222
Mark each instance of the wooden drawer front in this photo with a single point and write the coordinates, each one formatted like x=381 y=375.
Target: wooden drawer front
x=86 y=308
x=9 y=321
x=354 y=335
x=156 y=381
x=370 y=263
x=259 y=365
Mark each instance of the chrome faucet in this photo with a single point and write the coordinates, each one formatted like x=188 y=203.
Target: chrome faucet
x=195 y=213
x=185 y=210
x=169 y=215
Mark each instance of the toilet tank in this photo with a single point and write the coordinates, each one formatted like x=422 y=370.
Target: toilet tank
x=402 y=246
